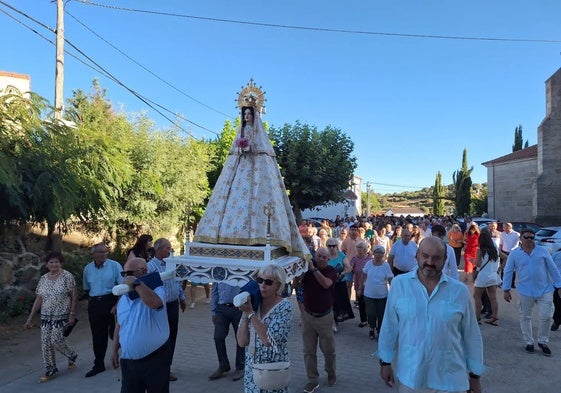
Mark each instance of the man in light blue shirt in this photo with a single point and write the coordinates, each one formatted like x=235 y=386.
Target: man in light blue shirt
x=537 y=279
x=142 y=335
x=175 y=297
x=430 y=322
x=99 y=277
x=556 y=298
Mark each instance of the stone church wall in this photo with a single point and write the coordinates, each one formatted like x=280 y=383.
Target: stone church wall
x=548 y=190
x=512 y=186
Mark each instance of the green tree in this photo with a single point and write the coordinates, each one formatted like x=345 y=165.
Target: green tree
x=375 y=205
x=53 y=165
x=317 y=166
x=518 y=139
x=438 y=196
x=161 y=177
x=462 y=187
x=479 y=202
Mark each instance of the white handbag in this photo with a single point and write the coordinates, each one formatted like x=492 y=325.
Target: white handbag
x=271 y=376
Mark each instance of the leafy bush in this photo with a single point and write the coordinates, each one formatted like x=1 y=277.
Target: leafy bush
x=14 y=303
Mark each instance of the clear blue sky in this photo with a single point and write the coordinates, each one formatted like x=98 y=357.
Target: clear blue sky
x=410 y=104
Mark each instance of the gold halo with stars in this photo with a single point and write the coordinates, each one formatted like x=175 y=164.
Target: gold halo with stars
x=252 y=95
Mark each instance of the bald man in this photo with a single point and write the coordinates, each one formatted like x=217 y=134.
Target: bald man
x=430 y=319
x=142 y=334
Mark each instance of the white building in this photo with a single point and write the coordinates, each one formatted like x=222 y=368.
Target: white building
x=351 y=206
x=11 y=81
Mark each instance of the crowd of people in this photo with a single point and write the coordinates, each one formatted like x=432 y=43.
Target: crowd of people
x=388 y=266
x=379 y=249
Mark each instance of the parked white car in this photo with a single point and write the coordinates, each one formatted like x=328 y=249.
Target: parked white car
x=550 y=238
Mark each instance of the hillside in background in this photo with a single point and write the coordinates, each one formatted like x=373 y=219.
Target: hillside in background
x=422 y=199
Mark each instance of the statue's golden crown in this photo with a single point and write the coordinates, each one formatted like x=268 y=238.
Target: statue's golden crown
x=251 y=95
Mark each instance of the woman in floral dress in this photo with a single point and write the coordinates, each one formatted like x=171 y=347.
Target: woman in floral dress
x=57 y=299
x=265 y=333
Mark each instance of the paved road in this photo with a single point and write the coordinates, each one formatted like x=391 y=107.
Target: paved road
x=510 y=369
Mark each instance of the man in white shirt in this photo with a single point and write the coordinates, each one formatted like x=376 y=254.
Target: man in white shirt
x=402 y=254
x=450 y=266
x=430 y=322
x=426 y=229
x=509 y=241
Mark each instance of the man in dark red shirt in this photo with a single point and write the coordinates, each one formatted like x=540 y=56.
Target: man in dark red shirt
x=317 y=319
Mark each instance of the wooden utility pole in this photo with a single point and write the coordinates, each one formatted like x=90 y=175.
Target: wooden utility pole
x=367 y=199
x=59 y=72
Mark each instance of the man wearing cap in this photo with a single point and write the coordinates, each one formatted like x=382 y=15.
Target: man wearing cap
x=537 y=279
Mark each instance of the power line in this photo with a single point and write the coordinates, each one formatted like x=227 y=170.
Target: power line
x=145 y=68
x=150 y=103
x=323 y=30
x=396 y=185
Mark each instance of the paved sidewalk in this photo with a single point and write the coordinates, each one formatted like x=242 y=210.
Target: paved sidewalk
x=510 y=369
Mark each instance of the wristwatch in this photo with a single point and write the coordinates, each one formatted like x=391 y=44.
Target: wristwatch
x=382 y=363
x=315 y=269
x=136 y=283
x=250 y=315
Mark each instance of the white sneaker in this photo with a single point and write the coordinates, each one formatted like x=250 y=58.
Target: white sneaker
x=192 y=306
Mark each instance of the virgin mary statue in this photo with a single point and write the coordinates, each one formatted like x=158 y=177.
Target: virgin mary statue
x=249 y=198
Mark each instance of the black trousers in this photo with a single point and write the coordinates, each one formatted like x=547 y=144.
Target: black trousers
x=397 y=272
x=172 y=309
x=102 y=325
x=557 y=304
x=375 y=309
x=226 y=316
x=147 y=375
x=361 y=308
x=458 y=254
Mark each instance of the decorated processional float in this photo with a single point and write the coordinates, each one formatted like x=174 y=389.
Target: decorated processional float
x=248 y=222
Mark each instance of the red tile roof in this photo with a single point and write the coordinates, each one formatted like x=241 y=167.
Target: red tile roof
x=529 y=152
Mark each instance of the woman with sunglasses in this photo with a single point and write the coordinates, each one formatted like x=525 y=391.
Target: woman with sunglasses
x=265 y=332
x=342 y=309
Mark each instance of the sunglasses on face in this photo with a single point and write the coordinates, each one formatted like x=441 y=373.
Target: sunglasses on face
x=332 y=245
x=268 y=282
x=528 y=237
x=129 y=272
